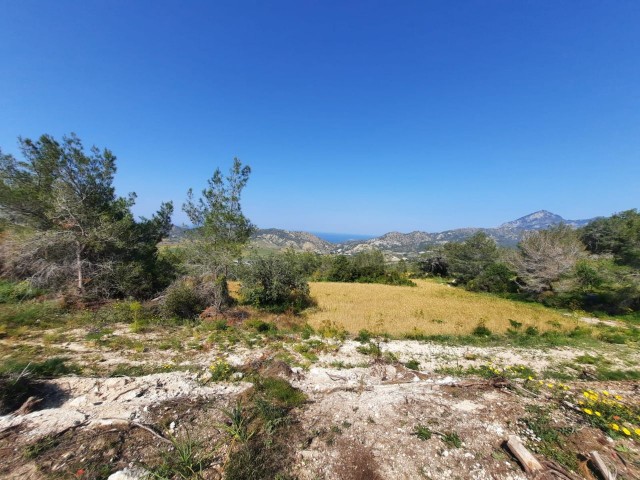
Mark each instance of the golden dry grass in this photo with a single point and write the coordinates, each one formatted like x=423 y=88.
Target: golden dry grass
x=430 y=308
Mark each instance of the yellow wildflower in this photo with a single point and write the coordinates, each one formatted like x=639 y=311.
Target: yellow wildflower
x=626 y=431
x=637 y=431
x=615 y=427
x=588 y=411
x=618 y=397
x=530 y=378
x=598 y=414
x=605 y=393
x=550 y=385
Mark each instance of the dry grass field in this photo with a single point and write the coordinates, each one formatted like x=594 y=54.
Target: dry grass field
x=430 y=308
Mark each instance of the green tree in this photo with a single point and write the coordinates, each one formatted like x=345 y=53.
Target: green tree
x=76 y=225
x=618 y=235
x=276 y=283
x=221 y=231
x=340 y=270
x=496 y=278
x=368 y=266
x=434 y=262
x=467 y=260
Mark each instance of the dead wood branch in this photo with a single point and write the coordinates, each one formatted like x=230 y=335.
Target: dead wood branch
x=524 y=456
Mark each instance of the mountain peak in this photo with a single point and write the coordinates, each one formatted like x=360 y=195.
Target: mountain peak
x=535 y=221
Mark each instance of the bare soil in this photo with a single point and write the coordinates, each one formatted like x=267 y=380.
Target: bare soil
x=360 y=419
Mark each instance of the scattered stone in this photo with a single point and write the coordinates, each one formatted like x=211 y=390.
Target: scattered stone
x=133 y=473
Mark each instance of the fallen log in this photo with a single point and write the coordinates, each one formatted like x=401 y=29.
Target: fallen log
x=524 y=456
x=598 y=464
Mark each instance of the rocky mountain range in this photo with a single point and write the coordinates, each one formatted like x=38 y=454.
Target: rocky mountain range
x=400 y=245
x=275 y=239
x=396 y=244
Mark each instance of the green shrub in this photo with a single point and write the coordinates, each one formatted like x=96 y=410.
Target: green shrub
x=277 y=390
x=33 y=313
x=220 y=325
x=423 y=432
x=307 y=331
x=364 y=336
x=260 y=326
x=613 y=337
x=121 y=312
x=452 y=439
x=52 y=367
x=481 y=331
x=11 y=292
x=364 y=267
x=370 y=348
x=496 y=278
x=183 y=301
x=412 y=364
x=221 y=371
x=331 y=329
x=468 y=259
x=275 y=283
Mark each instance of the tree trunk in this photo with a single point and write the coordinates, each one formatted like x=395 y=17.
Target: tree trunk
x=80 y=285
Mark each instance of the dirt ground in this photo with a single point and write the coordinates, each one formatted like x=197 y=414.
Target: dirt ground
x=365 y=417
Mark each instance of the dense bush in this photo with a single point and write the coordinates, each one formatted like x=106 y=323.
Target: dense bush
x=469 y=259
x=188 y=297
x=618 y=235
x=275 y=283
x=363 y=267
x=433 y=263
x=496 y=278
x=11 y=292
x=599 y=285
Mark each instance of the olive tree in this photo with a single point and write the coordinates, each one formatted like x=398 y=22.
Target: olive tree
x=275 y=283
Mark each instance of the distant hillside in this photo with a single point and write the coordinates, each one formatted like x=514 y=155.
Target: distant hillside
x=507 y=234
x=271 y=239
x=275 y=239
x=396 y=244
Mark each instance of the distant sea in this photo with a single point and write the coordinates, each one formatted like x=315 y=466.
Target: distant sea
x=341 y=237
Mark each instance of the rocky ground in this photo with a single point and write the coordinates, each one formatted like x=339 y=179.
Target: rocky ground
x=376 y=409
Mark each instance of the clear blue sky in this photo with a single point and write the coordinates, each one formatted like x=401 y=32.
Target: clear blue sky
x=356 y=116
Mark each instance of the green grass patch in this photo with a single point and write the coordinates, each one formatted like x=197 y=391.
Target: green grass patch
x=280 y=391
x=40 y=446
x=552 y=443
x=50 y=368
x=20 y=318
x=13 y=292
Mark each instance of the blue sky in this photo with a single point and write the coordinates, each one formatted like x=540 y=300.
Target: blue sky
x=357 y=116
